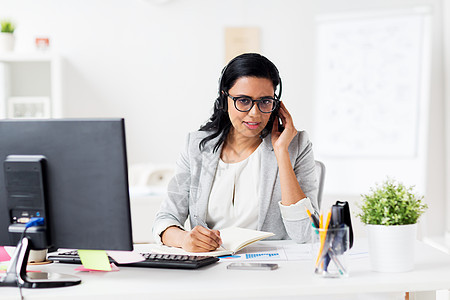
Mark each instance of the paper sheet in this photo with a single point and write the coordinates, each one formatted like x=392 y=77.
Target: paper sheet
x=126 y=257
x=286 y=252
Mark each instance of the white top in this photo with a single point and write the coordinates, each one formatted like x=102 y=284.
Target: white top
x=233 y=201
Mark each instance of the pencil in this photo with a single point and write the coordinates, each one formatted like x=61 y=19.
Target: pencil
x=313 y=218
x=309 y=213
x=323 y=235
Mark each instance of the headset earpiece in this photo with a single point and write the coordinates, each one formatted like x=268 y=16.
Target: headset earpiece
x=221 y=103
x=217 y=104
x=279 y=89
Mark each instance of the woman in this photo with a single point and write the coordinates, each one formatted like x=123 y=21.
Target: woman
x=242 y=168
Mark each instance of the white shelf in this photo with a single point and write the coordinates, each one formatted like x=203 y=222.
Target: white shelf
x=30 y=76
x=27 y=57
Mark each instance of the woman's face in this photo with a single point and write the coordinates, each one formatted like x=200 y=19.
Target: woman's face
x=251 y=123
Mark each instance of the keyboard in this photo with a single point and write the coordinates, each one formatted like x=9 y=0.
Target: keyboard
x=152 y=260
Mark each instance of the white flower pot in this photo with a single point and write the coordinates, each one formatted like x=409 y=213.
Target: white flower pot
x=391 y=248
x=7 y=41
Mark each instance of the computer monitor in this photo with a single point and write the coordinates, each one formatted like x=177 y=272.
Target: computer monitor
x=79 y=186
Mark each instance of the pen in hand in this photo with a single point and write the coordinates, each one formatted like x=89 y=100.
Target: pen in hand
x=202 y=223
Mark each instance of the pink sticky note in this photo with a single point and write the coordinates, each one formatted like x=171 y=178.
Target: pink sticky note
x=4 y=256
x=83 y=269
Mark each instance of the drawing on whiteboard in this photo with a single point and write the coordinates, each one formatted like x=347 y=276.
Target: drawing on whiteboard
x=369 y=73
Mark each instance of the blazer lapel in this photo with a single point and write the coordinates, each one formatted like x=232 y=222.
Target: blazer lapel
x=208 y=165
x=269 y=171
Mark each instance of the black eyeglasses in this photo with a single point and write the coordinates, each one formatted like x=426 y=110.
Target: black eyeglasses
x=243 y=103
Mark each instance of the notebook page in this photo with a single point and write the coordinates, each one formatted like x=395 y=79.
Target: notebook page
x=235 y=238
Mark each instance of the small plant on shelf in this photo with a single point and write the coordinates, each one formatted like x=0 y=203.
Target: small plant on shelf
x=7 y=38
x=7 y=26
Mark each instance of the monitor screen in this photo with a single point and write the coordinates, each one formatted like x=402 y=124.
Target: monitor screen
x=86 y=181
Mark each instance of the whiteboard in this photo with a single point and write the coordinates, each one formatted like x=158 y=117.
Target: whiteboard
x=372 y=94
x=369 y=81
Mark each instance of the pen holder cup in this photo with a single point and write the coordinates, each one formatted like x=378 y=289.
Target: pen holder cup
x=330 y=249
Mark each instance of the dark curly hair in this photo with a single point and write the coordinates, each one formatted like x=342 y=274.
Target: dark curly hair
x=244 y=65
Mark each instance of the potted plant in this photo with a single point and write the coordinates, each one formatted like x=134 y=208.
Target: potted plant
x=6 y=35
x=391 y=211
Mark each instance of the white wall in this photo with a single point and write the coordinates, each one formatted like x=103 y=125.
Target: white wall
x=158 y=65
x=446 y=83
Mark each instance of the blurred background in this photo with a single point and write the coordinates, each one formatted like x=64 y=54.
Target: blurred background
x=368 y=80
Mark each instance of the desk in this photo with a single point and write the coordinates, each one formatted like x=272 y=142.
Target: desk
x=292 y=280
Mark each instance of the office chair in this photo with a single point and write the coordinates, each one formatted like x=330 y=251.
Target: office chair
x=320 y=173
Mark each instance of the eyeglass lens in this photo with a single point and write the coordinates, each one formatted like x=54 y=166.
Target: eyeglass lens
x=246 y=104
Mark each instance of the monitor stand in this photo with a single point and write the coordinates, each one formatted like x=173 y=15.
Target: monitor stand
x=17 y=275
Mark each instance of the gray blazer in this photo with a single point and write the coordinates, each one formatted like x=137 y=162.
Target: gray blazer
x=188 y=191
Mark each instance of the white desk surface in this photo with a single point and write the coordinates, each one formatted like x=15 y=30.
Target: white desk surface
x=291 y=279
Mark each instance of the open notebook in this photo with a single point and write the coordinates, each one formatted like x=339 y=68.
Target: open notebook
x=233 y=238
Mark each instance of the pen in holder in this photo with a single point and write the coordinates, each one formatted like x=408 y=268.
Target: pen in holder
x=330 y=246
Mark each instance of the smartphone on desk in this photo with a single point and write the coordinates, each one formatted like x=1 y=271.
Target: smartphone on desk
x=252 y=266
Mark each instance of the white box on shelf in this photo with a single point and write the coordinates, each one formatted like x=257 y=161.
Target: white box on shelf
x=29 y=108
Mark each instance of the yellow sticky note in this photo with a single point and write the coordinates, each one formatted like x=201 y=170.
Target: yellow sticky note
x=95 y=259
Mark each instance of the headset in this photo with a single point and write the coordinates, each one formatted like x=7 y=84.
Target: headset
x=220 y=104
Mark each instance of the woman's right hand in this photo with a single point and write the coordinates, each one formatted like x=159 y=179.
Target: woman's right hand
x=201 y=239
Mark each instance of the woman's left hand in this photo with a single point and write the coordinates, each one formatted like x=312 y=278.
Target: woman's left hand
x=281 y=140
